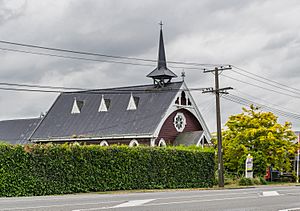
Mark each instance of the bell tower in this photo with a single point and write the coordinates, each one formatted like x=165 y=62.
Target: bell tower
x=161 y=75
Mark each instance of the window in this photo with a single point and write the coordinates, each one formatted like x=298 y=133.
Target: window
x=162 y=143
x=133 y=102
x=77 y=106
x=177 y=101
x=183 y=98
x=179 y=122
x=133 y=143
x=103 y=143
x=104 y=104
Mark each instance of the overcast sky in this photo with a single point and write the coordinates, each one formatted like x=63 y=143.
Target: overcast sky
x=261 y=37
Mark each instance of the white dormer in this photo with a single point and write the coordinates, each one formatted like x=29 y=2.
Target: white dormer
x=103 y=106
x=77 y=106
x=133 y=103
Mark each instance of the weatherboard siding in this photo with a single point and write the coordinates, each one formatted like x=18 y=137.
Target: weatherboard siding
x=168 y=132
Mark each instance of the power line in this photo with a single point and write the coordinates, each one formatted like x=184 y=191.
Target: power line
x=207 y=108
x=72 y=57
x=99 y=54
x=268 y=83
x=29 y=90
x=247 y=102
x=283 y=113
x=93 y=60
x=98 y=91
x=267 y=79
x=40 y=86
x=255 y=85
x=263 y=100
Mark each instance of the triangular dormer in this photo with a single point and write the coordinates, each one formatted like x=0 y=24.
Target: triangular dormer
x=133 y=102
x=103 y=107
x=77 y=106
x=161 y=75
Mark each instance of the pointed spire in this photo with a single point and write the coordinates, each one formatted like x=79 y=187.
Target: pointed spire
x=161 y=63
x=161 y=75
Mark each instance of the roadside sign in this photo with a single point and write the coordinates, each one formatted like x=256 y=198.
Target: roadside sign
x=249 y=167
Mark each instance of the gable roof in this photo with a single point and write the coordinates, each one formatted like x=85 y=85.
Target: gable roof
x=17 y=131
x=60 y=123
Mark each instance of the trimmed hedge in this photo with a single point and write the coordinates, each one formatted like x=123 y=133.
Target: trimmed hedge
x=60 y=169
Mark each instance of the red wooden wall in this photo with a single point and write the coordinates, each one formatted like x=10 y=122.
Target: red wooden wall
x=168 y=132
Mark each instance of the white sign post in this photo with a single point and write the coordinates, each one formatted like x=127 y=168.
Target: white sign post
x=249 y=167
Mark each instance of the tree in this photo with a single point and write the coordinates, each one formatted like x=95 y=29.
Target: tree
x=257 y=133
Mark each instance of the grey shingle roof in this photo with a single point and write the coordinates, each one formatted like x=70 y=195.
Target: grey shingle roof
x=162 y=72
x=17 y=131
x=117 y=121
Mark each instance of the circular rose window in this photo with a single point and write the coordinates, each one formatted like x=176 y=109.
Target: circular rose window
x=179 y=122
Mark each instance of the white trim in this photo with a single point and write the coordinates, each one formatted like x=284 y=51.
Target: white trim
x=133 y=143
x=197 y=113
x=75 y=108
x=92 y=138
x=201 y=141
x=104 y=143
x=131 y=103
x=102 y=106
x=162 y=143
x=152 y=142
x=193 y=109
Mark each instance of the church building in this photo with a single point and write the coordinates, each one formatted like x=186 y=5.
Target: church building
x=157 y=114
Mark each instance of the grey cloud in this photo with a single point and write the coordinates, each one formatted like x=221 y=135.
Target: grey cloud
x=10 y=10
x=258 y=36
x=280 y=40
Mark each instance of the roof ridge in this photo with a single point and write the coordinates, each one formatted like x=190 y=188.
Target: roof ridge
x=120 y=88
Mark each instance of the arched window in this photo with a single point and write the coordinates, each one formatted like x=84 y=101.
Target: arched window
x=103 y=143
x=177 y=101
x=183 y=98
x=162 y=143
x=189 y=102
x=133 y=143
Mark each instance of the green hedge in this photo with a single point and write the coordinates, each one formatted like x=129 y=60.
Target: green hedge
x=60 y=169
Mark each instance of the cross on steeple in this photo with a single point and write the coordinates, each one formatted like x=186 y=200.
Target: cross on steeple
x=161 y=75
x=161 y=24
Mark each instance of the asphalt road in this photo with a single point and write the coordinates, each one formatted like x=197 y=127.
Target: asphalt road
x=281 y=198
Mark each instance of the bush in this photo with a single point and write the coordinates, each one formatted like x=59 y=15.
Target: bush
x=262 y=181
x=252 y=181
x=230 y=179
x=245 y=181
x=59 y=169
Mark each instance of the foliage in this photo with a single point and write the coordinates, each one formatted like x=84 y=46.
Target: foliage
x=252 y=181
x=58 y=169
x=259 y=134
x=245 y=181
x=262 y=181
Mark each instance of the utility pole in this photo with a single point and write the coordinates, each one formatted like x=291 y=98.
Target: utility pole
x=217 y=92
x=298 y=160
